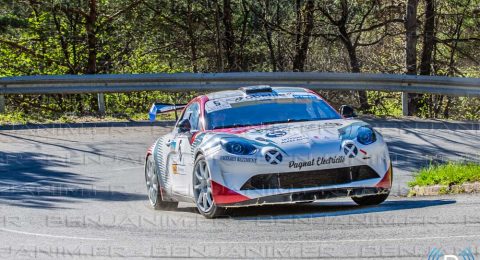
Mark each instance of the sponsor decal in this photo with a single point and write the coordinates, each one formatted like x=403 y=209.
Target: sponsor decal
x=177 y=168
x=216 y=105
x=322 y=126
x=173 y=145
x=350 y=150
x=273 y=157
x=305 y=96
x=276 y=133
x=225 y=103
x=294 y=139
x=366 y=157
x=238 y=159
x=316 y=162
x=296 y=128
x=262 y=96
x=261 y=139
x=180 y=155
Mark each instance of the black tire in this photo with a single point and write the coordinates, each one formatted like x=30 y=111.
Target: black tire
x=371 y=199
x=153 y=187
x=206 y=207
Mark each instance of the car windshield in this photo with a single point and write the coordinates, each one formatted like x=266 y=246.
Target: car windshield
x=223 y=114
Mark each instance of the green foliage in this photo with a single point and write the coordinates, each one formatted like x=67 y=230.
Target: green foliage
x=385 y=104
x=163 y=36
x=127 y=105
x=452 y=173
x=74 y=108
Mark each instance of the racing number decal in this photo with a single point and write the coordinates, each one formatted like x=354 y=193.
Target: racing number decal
x=216 y=105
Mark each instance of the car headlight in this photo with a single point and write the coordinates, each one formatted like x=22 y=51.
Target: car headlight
x=238 y=147
x=366 y=135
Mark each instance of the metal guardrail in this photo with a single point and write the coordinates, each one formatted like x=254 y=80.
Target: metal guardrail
x=71 y=84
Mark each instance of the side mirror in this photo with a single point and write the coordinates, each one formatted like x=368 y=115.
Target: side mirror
x=347 y=111
x=184 y=126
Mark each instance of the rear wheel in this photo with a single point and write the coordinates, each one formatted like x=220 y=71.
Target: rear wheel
x=153 y=187
x=202 y=190
x=371 y=199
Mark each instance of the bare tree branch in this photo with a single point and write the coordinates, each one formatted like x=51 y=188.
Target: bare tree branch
x=129 y=7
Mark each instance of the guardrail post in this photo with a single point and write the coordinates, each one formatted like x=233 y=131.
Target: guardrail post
x=405 y=103
x=101 y=103
x=2 y=104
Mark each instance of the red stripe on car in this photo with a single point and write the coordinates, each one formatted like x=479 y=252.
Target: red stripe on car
x=224 y=195
x=386 y=182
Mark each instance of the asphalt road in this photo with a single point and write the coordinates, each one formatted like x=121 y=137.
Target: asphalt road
x=79 y=192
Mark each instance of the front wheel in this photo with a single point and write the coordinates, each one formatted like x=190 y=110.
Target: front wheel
x=370 y=199
x=202 y=190
x=153 y=187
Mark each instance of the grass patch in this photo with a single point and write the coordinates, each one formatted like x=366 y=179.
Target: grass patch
x=452 y=173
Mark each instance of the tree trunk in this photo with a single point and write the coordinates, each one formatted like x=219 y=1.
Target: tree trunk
x=446 y=112
x=280 y=50
x=427 y=51
x=354 y=64
x=298 y=24
x=219 y=51
x=91 y=30
x=229 y=40
x=411 y=37
x=90 y=27
x=242 y=62
x=411 y=49
x=191 y=35
x=268 y=37
x=428 y=38
x=301 y=52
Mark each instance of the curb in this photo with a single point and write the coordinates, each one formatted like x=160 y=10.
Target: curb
x=444 y=189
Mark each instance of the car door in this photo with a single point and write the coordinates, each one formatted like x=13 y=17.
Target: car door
x=182 y=163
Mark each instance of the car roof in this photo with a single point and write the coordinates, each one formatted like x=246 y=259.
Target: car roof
x=240 y=93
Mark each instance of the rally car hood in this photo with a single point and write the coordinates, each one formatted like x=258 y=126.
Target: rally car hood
x=307 y=135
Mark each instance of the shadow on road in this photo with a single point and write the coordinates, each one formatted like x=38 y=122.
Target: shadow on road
x=328 y=209
x=71 y=148
x=423 y=124
x=411 y=157
x=417 y=143
x=37 y=180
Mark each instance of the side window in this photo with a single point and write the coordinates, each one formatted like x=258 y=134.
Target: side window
x=192 y=113
x=195 y=116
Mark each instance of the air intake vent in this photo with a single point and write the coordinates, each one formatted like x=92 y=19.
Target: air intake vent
x=256 y=89
x=309 y=179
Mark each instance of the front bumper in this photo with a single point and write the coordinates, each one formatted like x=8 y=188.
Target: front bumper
x=307 y=196
x=251 y=180
x=226 y=197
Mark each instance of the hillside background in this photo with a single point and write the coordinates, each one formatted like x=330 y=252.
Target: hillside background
x=426 y=37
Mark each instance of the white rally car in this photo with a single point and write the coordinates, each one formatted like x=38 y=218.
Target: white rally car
x=265 y=145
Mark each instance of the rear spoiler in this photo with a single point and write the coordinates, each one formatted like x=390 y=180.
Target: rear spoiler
x=158 y=108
